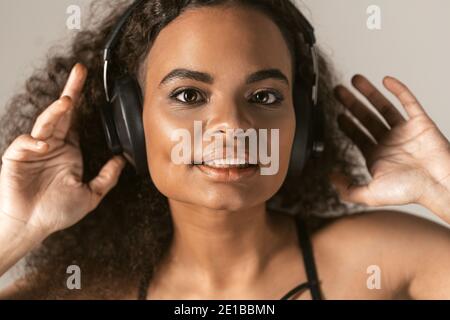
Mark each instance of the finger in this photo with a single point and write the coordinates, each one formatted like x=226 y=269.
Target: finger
x=75 y=82
x=369 y=119
x=412 y=106
x=25 y=148
x=45 y=124
x=73 y=88
x=378 y=100
x=106 y=179
x=350 y=192
x=357 y=135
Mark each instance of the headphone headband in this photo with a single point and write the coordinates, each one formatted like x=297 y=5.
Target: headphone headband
x=113 y=39
x=111 y=43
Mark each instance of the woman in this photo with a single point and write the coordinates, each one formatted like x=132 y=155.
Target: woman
x=182 y=234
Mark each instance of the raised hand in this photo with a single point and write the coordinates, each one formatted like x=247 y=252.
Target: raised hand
x=408 y=159
x=41 y=175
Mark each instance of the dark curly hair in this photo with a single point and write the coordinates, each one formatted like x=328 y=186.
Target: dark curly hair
x=123 y=239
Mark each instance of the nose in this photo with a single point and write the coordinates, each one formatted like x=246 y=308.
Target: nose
x=229 y=114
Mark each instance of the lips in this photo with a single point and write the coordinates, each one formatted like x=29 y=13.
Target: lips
x=227 y=163
x=225 y=168
x=228 y=172
x=227 y=157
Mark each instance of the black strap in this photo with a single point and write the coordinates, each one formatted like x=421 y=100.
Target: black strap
x=308 y=259
x=297 y=289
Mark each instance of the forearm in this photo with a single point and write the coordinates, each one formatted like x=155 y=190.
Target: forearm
x=16 y=241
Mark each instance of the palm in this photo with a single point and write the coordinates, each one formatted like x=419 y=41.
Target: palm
x=43 y=187
x=49 y=184
x=401 y=159
x=392 y=180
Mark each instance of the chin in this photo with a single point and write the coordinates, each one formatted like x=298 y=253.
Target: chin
x=227 y=198
x=192 y=186
x=231 y=206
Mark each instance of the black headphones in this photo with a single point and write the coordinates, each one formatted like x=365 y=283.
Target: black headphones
x=122 y=114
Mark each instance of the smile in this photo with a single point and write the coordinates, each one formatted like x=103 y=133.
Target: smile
x=227 y=163
x=227 y=170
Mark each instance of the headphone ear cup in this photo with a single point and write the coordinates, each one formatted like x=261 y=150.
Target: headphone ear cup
x=301 y=147
x=109 y=128
x=126 y=112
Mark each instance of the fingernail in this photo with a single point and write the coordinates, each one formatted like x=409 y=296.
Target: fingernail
x=65 y=98
x=40 y=144
x=78 y=67
x=75 y=70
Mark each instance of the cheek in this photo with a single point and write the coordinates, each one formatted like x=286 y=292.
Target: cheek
x=286 y=126
x=158 y=128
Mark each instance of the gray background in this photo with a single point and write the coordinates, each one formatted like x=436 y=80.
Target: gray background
x=411 y=45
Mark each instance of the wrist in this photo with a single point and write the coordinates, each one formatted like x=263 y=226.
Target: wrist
x=15 y=229
x=436 y=198
x=16 y=240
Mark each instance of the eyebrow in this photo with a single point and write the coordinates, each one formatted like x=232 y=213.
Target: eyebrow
x=181 y=73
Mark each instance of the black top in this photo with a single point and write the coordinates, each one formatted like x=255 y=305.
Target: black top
x=313 y=283
x=308 y=259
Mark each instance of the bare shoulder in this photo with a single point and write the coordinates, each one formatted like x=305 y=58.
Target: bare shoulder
x=411 y=253
x=384 y=223
x=386 y=229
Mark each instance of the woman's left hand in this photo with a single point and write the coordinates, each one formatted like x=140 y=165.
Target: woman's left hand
x=409 y=160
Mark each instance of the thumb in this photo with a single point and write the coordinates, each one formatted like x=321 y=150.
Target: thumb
x=348 y=191
x=106 y=179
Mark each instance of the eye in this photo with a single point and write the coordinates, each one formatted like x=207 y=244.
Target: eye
x=267 y=97
x=187 y=96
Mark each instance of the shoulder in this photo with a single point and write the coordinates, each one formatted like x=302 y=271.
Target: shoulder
x=386 y=229
x=391 y=223
x=411 y=252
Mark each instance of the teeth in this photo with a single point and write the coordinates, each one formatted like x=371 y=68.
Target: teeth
x=220 y=162
x=226 y=163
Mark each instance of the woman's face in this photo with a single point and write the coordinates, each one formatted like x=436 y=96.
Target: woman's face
x=221 y=53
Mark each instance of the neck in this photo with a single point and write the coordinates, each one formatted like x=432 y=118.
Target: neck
x=219 y=247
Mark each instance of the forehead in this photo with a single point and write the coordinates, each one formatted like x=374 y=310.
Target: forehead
x=220 y=40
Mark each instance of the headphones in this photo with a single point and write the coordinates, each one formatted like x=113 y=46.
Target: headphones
x=121 y=116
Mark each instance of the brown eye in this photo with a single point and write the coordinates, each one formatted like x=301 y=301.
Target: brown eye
x=188 y=96
x=266 y=97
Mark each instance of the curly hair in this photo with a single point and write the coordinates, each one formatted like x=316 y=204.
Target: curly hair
x=123 y=239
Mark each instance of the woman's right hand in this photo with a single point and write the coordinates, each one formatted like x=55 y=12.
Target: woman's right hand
x=41 y=175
